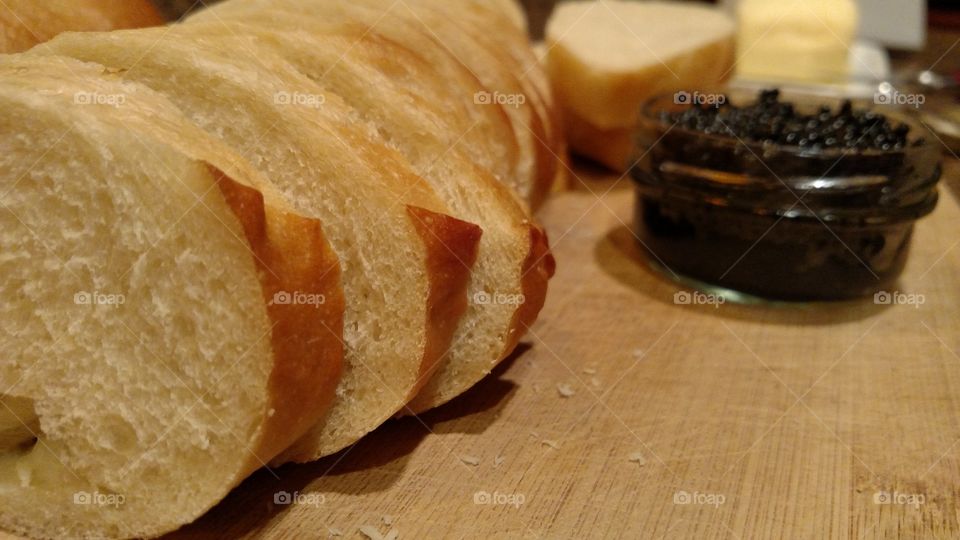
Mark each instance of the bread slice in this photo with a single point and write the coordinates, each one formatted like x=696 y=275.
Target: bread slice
x=492 y=27
x=483 y=133
x=405 y=262
x=148 y=366
x=399 y=92
x=25 y=23
x=607 y=57
x=448 y=45
x=513 y=10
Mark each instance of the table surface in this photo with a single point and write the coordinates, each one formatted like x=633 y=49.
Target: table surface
x=625 y=415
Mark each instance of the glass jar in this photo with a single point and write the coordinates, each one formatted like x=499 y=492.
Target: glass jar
x=776 y=221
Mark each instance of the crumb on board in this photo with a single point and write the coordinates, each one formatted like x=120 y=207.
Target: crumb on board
x=387 y=520
x=565 y=390
x=637 y=457
x=590 y=371
x=470 y=460
x=638 y=354
x=334 y=531
x=373 y=533
x=497 y=461
x=595 y=382
x=551 y=443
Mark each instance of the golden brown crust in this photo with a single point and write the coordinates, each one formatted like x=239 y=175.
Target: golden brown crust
x=25 y=23
x=294 y=260
x=538 y=268
x=452 y=247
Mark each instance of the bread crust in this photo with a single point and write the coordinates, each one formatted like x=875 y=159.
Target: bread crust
x=452 y=249
x=25 y=23
x=537 y=270
x=293 y=258
x=288 y=253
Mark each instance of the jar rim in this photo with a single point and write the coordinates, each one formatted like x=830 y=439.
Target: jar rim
x=649 y=118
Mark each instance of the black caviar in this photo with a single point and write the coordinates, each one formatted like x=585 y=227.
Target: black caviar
x=784 y=200
x=769 y=120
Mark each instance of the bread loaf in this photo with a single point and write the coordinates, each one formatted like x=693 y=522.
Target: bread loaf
x=363 y=191
x=395 y=90
x=151 y=362
x=318 y=215
x=25 y=23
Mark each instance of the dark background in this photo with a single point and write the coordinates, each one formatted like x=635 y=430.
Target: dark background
x=943 y=13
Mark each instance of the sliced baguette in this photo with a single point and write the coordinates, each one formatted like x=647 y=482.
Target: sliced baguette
x=405 y=261
x=446 y=44
x=490 y=26
x=154 y=370
x=395 y=90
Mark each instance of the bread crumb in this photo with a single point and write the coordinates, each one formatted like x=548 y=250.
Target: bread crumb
x=534 y=434
x=497 y=461
x=590 y=371
x=334 y=532
x=551 y=444
x=565 y=390
x=387 y=520
x=595 y=382
x=637 y=457
x=371 y=532
x=638 y=354
x=470 y=460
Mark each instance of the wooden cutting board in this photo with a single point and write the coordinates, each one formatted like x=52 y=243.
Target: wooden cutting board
x=627 y=416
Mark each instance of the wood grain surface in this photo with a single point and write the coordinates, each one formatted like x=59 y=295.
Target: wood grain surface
x=627 y=416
